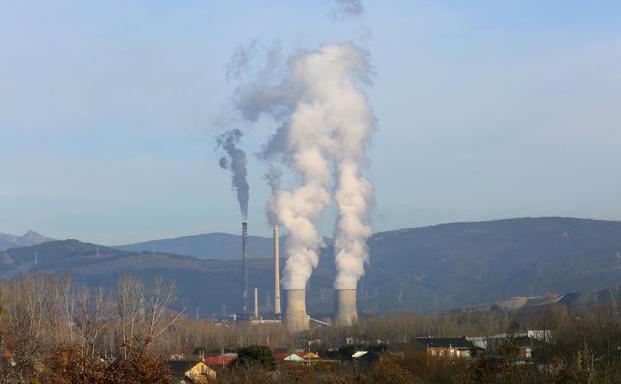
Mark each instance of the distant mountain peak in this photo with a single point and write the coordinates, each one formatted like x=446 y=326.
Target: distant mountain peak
x=29 y=238
x=35 y=236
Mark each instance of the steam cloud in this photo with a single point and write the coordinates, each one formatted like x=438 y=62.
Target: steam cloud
x=327 y=123
x=353 y=196
x=273 y=176
x=236 y=162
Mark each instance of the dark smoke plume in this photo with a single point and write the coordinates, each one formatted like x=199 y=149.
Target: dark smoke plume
x=346 y=9
x=240 y=62
x=235 y=161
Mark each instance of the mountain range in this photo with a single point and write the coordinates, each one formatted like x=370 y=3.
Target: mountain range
x=427 y=269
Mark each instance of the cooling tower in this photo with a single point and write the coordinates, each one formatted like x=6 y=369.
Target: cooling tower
x=245 y=267
x=346 y=313
x=296 y=318
x=277 y=310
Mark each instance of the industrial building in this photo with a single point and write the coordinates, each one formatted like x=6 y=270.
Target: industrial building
x=295 y=316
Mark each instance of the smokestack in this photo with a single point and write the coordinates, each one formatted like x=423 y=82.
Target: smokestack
x=296 y=318
x=245 y=267
x=277 y=310
x=256 y=303
x=346 y=313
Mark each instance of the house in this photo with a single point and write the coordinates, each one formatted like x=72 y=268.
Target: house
x=298 y=357
x=201 y=374
x=220 y=360
x=518 y=345
x=280 y=356
x=310 y=356
x=520 y=348
x=294 y=358
x=366 y=358
x=290 y=357
x=446 y=348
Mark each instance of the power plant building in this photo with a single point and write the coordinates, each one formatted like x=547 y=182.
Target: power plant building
x=295 y=316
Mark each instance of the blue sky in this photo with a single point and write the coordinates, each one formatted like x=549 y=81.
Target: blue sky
x=108 y=111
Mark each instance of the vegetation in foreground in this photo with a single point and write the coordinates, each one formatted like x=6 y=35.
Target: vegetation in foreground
x=52 y=331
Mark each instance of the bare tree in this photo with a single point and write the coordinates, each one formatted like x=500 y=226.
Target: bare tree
x=130 y=310
x=91 y=317
x=160 y=296
x=67 y=300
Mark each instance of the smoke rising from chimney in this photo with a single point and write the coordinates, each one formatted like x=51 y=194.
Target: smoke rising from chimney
x=235 y=161
x=354 y=195
x=273 y=177
x=327 y=123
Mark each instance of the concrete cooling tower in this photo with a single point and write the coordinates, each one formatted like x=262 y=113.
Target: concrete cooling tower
x=296 y=319
x=346 y=313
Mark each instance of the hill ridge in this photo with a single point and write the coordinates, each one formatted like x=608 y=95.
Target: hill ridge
x=428 y=269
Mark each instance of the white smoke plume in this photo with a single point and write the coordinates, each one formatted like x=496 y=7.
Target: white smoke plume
x=235 y=161
x=327 y=123
x=273 y=177
x=334 y=74
x=354 y=195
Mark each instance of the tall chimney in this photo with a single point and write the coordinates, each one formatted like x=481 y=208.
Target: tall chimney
x=346 y=313
x=277 y=310
x=296 y=318
x=245 y=267
x=256 y=303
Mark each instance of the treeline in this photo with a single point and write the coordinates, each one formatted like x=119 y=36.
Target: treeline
x=416 y=368
x=54 y=331
x=584 y=346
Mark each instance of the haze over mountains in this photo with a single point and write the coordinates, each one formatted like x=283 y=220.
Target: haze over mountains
x=426 y=269
x=29 y=238
x=221 y=246
x=464 y=264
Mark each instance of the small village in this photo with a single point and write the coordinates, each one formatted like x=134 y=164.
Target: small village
x=355 y=355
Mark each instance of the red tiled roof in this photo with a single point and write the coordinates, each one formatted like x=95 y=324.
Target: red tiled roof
x=218 y=361
x=280 y=356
